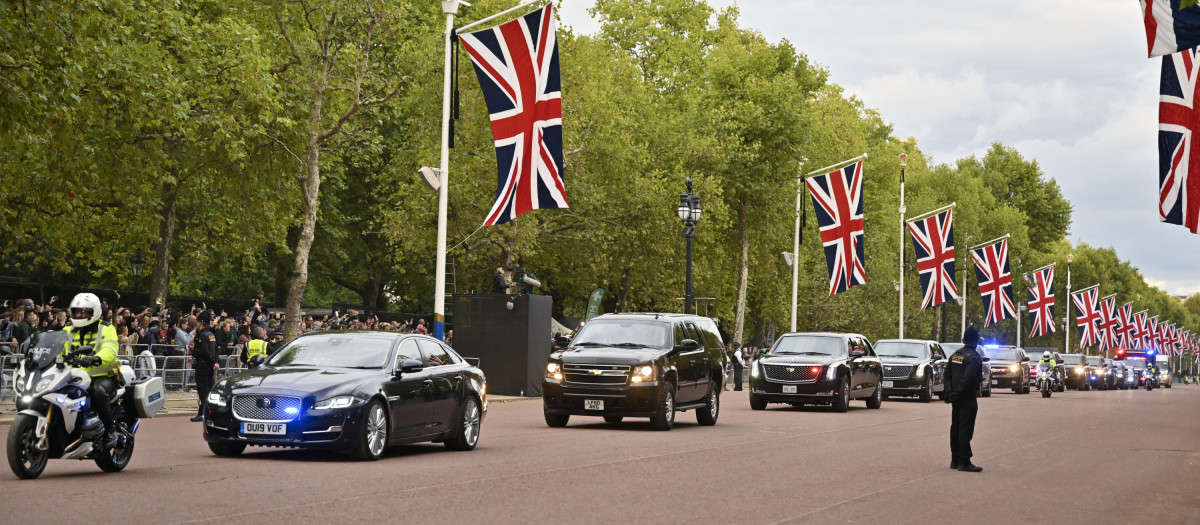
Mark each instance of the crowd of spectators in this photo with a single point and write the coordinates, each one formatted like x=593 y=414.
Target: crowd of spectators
x=170 y=332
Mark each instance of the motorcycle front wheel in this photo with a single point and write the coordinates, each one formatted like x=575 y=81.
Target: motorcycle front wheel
x=117 y=458
x=25 y=460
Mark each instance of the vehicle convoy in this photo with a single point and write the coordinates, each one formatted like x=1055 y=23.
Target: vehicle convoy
x=1077 y=373
x=1010 y=368
x=985 y=384
x=352 y=391
x=1099 y=368
x=1120 y=375
x=817 y=368
x=637 y=365
x=912 y=367
x=55 y=419
x=1165 y=376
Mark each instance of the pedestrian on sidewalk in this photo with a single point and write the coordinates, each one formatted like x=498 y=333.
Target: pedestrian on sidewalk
x=963 y=374
x=738 y=365
x=205 y=356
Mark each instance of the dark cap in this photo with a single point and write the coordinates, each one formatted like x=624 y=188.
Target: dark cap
x=205 y=317
x=971 y=336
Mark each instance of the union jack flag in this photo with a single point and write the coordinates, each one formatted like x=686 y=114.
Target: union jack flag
x=1153 y=336
x=1041 y=302
x=1125 y=328
x=517 y=66
x=933 y=242
x=838 y=200
x=1087 y=316
x=995 y=281
x=1178 y=120
x=1108 y=323
x=1141 y=331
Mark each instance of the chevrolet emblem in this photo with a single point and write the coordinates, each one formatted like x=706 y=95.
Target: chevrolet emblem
x=595 y=372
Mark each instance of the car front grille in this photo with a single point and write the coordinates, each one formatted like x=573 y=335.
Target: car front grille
x=897 y=371
x=266 y=408
x=604 y=375
x=791 y=373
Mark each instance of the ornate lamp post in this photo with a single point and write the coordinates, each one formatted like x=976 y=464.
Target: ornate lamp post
x=689 y=212
x=137 y=263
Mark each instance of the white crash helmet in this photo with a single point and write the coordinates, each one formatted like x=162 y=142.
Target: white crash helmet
x=90 y=304
x=1046 y=355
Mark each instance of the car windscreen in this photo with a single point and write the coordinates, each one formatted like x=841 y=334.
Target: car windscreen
x=950 y=348
x=1003 y=354
x=1135 y=363
x=1094 y=360
x=901 y=349
x=809 y=345
x=336 y=351
x=624 y=333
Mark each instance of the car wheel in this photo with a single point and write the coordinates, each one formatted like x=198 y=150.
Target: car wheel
x=757 y=402
x=664 y=415
x=613 y=419
x=876 y=399
x=926 y=394
x=988 y=392
x=556 y=420
x=842 y=402
x=375 y=430
x=707 y=414
x=227 y=450
x=468 y=428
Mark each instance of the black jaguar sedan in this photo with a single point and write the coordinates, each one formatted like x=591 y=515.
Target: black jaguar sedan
x=352 y=391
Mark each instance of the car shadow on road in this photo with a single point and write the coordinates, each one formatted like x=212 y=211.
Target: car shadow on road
x=332 y=456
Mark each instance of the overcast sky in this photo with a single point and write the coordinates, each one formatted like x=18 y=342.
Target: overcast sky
x=1064 y=82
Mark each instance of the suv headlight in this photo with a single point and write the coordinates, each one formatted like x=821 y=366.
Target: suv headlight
x=338 y=402
x=554 y=371
x=216 y=399
x=1079 y=370
x=754 y=369
x=1014 y=368
x=642 y=374
x=831 y=372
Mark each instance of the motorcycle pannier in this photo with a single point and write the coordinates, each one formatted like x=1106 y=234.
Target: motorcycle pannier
x=148 y=396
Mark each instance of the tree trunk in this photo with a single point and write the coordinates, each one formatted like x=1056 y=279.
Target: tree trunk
x=624 y=292
x=743 y=272
x=160 y=276
x=309 y=186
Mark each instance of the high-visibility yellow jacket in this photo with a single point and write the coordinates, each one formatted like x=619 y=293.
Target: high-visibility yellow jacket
x=104 y=346
x=255 y=347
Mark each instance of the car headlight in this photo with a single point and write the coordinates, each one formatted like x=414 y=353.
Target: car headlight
x=338 y=402
x=642 y=374
x=216 y=399
x=754 y=369
x=1014 y=368
x=554 y=371
x=1099 y=372
x=831 y=372
x=1079 y=370
x=920 y=372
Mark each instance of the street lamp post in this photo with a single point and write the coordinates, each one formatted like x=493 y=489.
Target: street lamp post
x=903 y=164
x=137 y=263
x=689 y=212
x=1067 y=316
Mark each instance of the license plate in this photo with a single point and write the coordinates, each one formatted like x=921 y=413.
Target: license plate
x=887 y=384
x=995 y=381
x=789 y=389
x=593 y=404
x=275 y=429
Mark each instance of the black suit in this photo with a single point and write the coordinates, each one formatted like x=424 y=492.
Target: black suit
x=963 y=374
x=204 y=354
x=499 y=284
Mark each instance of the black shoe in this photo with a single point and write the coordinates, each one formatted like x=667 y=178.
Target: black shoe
x=970 y=468
x=953 y=465
x=111 y=440
x=197 y=419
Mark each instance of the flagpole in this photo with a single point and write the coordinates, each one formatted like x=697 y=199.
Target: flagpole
x=831 y=167
x=997 y=239
x=903 y=164
x=449 y=8
x=497 y=15
x=796 y=245
x=1067 y=314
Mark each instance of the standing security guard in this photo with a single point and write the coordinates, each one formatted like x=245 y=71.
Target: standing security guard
x=87 y=330
x=204 y=355
x=963 y=374
x=257 y=345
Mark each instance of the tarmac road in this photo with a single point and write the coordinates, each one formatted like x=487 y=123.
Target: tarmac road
x=1078 y=457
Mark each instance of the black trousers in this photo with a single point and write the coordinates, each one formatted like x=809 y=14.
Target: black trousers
x=204 y=383
x=737 y=377
x=962 y=428
x=99 y=392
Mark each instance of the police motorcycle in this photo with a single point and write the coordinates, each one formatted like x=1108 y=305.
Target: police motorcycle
x=1149 y=378
x=55 y=418
x=1046 y=379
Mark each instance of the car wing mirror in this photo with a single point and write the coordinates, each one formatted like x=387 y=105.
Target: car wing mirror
x=1025 y=359
x=987 y=359
x=257 y=361
x=410 y=366
x=687 y=345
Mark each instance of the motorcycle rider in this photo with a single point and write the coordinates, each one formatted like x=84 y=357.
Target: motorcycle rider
x=87 y=330
x=1048 y=360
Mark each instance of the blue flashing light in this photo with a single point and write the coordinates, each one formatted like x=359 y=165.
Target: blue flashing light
x=991 y=346
x=291 y=411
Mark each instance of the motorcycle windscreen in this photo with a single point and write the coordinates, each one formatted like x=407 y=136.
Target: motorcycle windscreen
x=43 y=347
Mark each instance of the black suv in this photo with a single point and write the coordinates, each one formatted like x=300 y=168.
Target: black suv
x=812 y=368
x=911 y=367
x=1010 y=367
x=637 y=365
x=1078 y=373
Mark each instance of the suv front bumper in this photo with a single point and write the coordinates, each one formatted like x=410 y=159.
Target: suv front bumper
x=619 y=400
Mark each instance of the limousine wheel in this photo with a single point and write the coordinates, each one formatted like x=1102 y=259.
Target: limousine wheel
x=664 y=417
x=876 y=399
x=227 y=450
x=842 y=402
x=613 y=419
x=707 y=414
x=467 y=435
x=927 y=391
x=556 y=420
x=375 y=432
x=757 y=402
